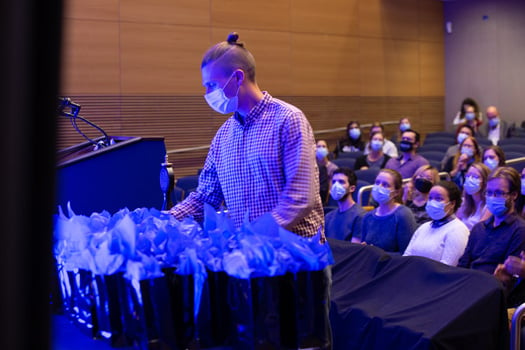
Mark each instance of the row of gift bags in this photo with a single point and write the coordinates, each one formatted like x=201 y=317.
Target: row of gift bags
x=280 y=312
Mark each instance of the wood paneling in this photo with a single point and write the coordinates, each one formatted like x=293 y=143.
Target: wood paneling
x=161 y=58
x=91 y=57
x=389 y=19
x=431 y=69
x=268 y=15
x=324 y=65
x=190 y=12
x=100 y=10
x=334 y=17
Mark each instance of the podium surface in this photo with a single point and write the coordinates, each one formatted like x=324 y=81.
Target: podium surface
x=122 y=175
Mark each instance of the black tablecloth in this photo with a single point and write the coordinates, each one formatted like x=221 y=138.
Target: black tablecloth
x=381 y=301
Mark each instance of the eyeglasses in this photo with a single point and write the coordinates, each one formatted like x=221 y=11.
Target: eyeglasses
x=497 y=193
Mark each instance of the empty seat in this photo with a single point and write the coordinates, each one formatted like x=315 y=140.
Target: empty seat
x=432 y=155
x=436 y=147
x=368 y=175
x=349 y=154
x=187 y=184
x=447 y=141
x=513 y=155
x=512 y=141
x=513 y=148
x=344 y=162
x=446 y=134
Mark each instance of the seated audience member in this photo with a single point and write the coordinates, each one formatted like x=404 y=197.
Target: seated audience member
x=473 y=208
x=416 y=191
x=388 y=146
x=492 y=241
x=345 y=221
x=375 y=157
x=469 y=113
x=467 y=154
x=445 y=237
x=326 y=168
x=493 y=157
x=391 y=225
x=520 y=202
x=352 y=142
x=462 y=133
x=404 y=124
x=495 y=129
x=409 y=161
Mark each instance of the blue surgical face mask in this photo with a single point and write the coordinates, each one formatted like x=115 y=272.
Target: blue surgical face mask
x=376 y=145
x=321 y=152
x=491 y=163
x=470 y=116
x=494 y=122
x=468 y=151
x=404 y=126
x=461 y=136
x=523 y=187
x=435 y=209
x=218 y=101
x=354 y=133
x=381 y=194
x=337 y=191
x=472 y=185
x=497 y=206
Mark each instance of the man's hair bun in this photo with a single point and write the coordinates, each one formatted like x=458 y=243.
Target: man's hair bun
x=232 y=39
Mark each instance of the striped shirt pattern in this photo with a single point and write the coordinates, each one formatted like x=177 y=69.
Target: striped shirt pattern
x=262 y=163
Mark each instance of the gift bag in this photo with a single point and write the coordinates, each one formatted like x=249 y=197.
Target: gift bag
x=304 y=309
x=147 y=316
x=255 y=317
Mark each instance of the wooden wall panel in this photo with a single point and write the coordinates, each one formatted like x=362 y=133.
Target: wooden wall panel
x=189 y=12
x=431 y=22
x=161 y=58
x=431 y=69
x=91 y=57
x=401 y=58
x=389 y=19
x=268 y=15
x=106 y=10
x=334 y=17
x=324 y=65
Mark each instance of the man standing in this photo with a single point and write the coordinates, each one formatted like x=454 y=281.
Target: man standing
x=495 y=129
x=408 y=162
x=345 y=221
x=261 y=161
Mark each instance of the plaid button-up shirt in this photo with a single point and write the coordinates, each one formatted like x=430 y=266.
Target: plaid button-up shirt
x=262 y=163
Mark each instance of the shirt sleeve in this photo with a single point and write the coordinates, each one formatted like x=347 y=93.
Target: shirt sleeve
x=406 y=227
x=301 y=189
x=408 y=250
x=208 y=191
x=466 y=259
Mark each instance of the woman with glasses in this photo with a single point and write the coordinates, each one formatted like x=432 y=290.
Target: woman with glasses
x=445 y=237
x=391 y=225
x=503 y=234
x=473 y=208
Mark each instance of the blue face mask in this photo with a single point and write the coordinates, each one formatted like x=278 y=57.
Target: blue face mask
x=470 y=116
x=218 y=101
x=404 y=126
x=380 y=194
x=376 y=145
x=354 y=133
x=497 y=206
x=472 y=185
x=461 y=136
x=491 y=163
x=337 y=191
x=435 y=209
x=469 y=152
x=321 y=152
x=494 y=122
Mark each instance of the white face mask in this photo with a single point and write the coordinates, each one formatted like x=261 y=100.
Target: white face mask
x=461 y=136
x=219 y=102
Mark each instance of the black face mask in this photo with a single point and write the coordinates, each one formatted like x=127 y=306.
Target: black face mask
x=406 y=146
x=423 y=185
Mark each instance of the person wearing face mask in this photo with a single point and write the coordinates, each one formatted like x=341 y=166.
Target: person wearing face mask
x=495 y=129
x=404 y=124
x=352 y=141
x=391 y=225
x=520 y=202
x=389 y=148
x=469 y=112
x=462 y=133
x=467 y=154
x=375 y=157
x=493 y=240
x=493 y=157
x=415 y=194
x=409 y=161
x=326 y=169
x=473 y=208
x=445 y=237
x=261 y=163
x=345 y=221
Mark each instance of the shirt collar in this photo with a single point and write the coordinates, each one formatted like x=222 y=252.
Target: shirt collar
x=256 y=111
x=509 y=219
x=441 y=222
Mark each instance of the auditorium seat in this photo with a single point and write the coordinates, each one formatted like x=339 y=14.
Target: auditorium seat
x=349 y=154
x=441 y=134
x=437 y=147
x=443 y=140
x=368 y=175
x=344 y=162
x=513 y=148
x=188 y=184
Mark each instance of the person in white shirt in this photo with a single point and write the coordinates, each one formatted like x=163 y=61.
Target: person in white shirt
x=389 y=148
x=445 y=238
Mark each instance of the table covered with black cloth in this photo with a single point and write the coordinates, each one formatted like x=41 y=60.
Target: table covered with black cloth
x=381 y=301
